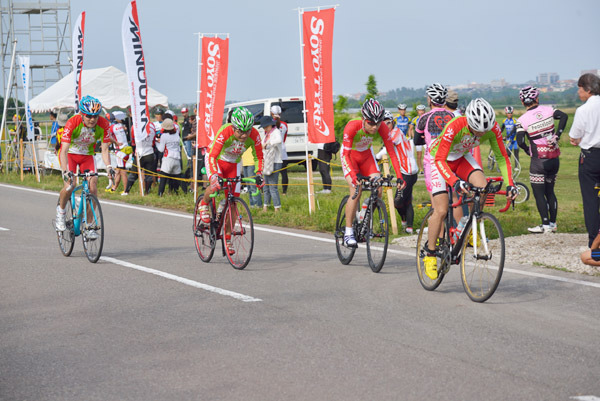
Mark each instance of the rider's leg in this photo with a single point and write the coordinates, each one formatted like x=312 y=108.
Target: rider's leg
x=436 y=221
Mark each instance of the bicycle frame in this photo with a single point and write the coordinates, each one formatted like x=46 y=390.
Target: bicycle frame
x=361 y=228
x=229 y=184
x=85 y=189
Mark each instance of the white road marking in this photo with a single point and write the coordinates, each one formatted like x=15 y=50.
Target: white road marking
x=314 y=238
x=585 y=398
x=4 y=229
x=192 y=283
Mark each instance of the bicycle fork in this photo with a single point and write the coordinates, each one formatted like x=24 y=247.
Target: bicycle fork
x=487 y=254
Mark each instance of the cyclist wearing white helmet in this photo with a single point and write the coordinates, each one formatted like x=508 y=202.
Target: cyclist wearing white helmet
x=537 y=125
x=402 y=120
x=79 y=137
x=454 y=165
x=357 y=156
x=418 y=149
x=431 y=124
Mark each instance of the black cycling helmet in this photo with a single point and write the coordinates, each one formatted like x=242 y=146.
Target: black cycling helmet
x=372 y=110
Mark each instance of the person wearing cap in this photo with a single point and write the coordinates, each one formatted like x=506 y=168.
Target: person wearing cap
x=272 y=146
x=452 y=103
x=411 y=135
x=283 y=128
x=54 y=128
x=61 y=121
x=402 y=120
x=171 y=150
x=122 y=149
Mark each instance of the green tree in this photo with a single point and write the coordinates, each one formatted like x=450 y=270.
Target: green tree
x=372 y=91
x=340 y=116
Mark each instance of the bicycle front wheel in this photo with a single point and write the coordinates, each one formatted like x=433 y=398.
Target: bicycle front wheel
x=425 y=281
x=204 y=234
x=66 y=239
x=345 y=254
x=378 y=236
x=482 y=260
x=523 y=192
x=238 y=221
x=92 y=231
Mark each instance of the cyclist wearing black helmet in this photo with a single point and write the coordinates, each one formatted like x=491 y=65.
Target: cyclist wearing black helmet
x=358 y=156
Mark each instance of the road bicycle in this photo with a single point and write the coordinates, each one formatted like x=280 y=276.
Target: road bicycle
x=370 y=226
x=478 y=248
x=83 y=217
x=230 y=222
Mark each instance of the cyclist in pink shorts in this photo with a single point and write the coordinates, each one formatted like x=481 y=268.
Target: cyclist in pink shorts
x=358 y=156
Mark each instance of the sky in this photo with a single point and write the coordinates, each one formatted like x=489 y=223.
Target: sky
x=402 y=43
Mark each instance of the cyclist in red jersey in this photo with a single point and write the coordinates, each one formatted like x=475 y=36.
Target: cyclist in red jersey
x=452 y=163
x=358 y=156
x=77 y=150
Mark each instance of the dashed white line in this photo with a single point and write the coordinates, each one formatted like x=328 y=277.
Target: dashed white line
x=192 y=283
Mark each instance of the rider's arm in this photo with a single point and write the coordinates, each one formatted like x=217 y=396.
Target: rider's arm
x=442 y=145
x=349 y=132
x=106 y=139
x=494 y=137
x=214 y=152
x=258 y=150
x=563 y=117
x=521 y=135
x=502 y=128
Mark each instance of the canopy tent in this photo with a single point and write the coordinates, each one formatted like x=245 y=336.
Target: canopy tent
x=108 y=84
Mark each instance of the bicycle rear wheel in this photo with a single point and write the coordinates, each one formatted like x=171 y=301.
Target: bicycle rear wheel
x=425 y=281
x=345 y=254
x=92 y=232
x=377 y=238
x=66 y=239
x=238 y=220
x=204 y=234
x=482 y=260
x=523 y=195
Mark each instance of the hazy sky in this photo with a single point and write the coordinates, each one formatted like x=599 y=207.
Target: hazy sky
x=402 y=43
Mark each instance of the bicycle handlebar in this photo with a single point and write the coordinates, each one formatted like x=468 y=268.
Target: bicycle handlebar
x=234 y=180
x=371 y=183
x=493 y=186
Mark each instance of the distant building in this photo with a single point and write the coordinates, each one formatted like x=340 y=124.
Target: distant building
x=547 y=78
x=498 y=83
x=597 y=72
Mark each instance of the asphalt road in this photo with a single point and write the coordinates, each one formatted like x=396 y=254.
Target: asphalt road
x=312 y=329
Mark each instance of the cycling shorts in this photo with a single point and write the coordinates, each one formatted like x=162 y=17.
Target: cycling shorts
x=542 y=171
x=418 y=148
x=121 y=159
x=362 y=162
x=462 y=167
x=230 y=170
x=85 y=162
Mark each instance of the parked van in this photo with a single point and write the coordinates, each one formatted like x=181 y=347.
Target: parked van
x=291 y=113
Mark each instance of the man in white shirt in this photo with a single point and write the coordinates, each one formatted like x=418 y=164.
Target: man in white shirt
x=585 y=133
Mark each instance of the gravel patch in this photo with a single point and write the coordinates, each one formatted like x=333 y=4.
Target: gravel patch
x=552 y=250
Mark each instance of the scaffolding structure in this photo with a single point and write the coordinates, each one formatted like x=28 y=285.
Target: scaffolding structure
x=41 y=30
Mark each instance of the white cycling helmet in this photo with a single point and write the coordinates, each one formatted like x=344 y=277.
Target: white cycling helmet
x=480 y=115
x=388 y=116
x=421 y=107
x=437 y=93
x=401 y=106
x=508 y=109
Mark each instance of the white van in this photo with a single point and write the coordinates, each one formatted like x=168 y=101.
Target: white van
x=291 y=113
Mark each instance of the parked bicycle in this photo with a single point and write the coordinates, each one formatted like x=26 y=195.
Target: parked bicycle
x=370 y=225
x=522 y=188
x=83 y=217
x=478 y=248
x=230 y=222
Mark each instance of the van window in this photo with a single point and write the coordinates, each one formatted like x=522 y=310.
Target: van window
x=257 y=111
x=291 y=111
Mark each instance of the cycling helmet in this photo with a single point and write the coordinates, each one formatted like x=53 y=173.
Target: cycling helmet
x=529 y=94
x=480 y=115
x=421 y=107
x=402 y=106
x=372 y=110
x=388 y=116
x=242 y=119
x=509 y=109
x=437 y=93
x=158 y=111
x=90 y=106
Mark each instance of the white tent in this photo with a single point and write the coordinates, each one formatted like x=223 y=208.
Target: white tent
x=109 y=85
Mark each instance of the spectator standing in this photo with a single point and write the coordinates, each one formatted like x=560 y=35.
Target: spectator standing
x=585 y=133
x=324 y=162
x=54 y=128
x=271 y=144
x=169 y=146
x=411 y=134
x=283 y=128
x=538 y=125
x=510 y=124
x=145 y=151
x=452 y=103
x=186 y=130
x=122 y=149
x=402 y=120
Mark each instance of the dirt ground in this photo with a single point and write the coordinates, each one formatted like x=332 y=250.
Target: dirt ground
x=552 y=250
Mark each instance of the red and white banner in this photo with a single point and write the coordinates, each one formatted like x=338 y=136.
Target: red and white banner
x=213 y=86
x=135 y=65
x=317 y=35
x=77 y=46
